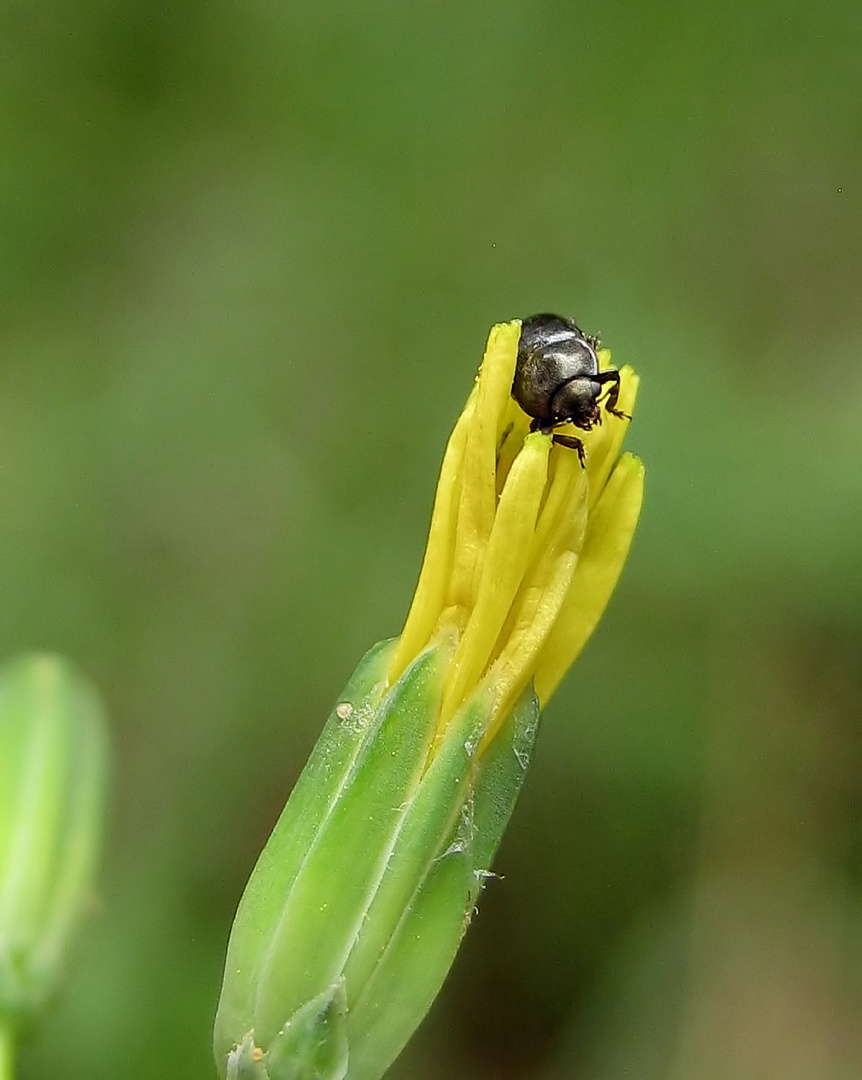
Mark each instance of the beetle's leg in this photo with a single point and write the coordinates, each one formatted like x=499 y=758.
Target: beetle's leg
x=595 y=340
x=573 y=443
x=611 y=376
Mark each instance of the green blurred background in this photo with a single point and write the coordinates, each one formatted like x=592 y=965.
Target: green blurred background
x=250 y=253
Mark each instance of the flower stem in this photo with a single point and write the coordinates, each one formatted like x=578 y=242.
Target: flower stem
x=7 y=1051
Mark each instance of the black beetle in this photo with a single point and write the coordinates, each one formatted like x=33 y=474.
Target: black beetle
x=557 y=378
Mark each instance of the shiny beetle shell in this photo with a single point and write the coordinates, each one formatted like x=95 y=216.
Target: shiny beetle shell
x=557 y=378
x=554 y=376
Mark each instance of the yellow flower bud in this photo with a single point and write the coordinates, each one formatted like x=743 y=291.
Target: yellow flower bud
x=358 y=903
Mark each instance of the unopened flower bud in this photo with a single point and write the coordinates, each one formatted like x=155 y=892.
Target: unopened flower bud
x=355 y=910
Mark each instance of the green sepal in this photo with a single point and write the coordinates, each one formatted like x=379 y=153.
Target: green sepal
x=245 y=1061
x=307 y=898
x=369 y=879
x=327 y=905
x=313 y=1044
x=310 y=804
x=53 y=765
x=423 y=943
x=498 y=785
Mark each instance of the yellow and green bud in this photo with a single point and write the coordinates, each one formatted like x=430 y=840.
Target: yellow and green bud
x=53 y=757
x=355 y=910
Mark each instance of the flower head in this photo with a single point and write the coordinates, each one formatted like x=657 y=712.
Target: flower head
x=525 y=545
x=358 y=903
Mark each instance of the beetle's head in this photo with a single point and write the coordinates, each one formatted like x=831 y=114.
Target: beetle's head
x=578 y=400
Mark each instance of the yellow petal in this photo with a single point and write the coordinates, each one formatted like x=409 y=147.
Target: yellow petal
x=502 y=571
x=610 y=529
x=606 y=450
x=525 y=545
x=479 y=487
x=431 y=589
x=516 y=425
x=538 y=605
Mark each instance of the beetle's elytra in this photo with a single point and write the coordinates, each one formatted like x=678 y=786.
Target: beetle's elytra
x=557 y=378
